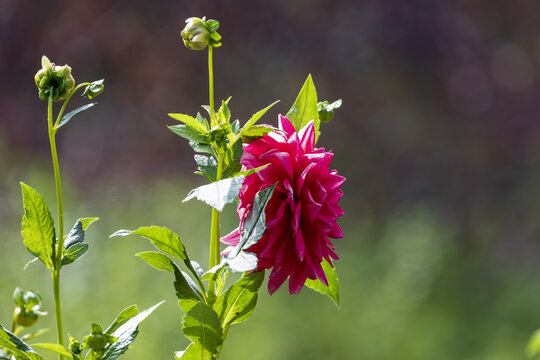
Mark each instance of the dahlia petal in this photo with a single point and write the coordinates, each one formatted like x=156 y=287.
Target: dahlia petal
x=300 y=245
x=307 y=136
x=231 y=239
x=285 y=125
x=320 y=274
x=311 y=207
x=336 y=232
x=297 y=279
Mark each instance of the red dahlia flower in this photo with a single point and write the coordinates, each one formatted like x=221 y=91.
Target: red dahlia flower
x=301 y=215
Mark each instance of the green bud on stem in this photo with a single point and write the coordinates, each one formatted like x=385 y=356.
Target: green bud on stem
x=200 y=33
x=94 y=89
x=55 y=79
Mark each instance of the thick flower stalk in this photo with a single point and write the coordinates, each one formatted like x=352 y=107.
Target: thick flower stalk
x=303 y=211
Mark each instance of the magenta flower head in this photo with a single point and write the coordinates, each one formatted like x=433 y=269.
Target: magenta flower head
x=303 y=211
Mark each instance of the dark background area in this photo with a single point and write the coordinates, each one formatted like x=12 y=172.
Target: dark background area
x=438 y=136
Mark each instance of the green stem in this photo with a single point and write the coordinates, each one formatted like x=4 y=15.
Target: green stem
x=211 y=82
x=225 y=333
x=214 y=237
x=13 y=323
x=61 y=113
x=59 y=249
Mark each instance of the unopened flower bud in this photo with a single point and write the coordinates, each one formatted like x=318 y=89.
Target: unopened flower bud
x=24 y=318
x=196 y=35
x=326 y=110
x=54 y=79
x=75 y=346
x=219 y=133
x=94 y=89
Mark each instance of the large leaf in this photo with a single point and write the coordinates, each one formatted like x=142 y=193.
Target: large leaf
x=201 y=325
x=162 y=238
x=190 y=121
x=332 y=290
x=18 y=347
x=304 y=108
x=126 y=333
x=69 y=115
x=219 y=193
x=238 y=302
x=38 y=226
x=189 y=133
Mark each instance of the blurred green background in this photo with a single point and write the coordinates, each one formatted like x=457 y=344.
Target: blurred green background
x=439 y=138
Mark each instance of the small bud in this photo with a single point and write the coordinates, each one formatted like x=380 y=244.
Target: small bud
x=74 y=345
x=195 y=35
x=326 y=110
x=94 y=89
x=219 y=133
x=200 y=33
x=55 y=79
x=24 y=318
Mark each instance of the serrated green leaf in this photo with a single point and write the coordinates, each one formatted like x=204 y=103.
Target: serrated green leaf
x=207 y=166
x=126 y=333
x=332 y=290
x=238 y=302
x=189 y=133
x=57 y=348
x=38 y=226
x=254 y=118
x=162 y=238
x=201 y=325
x=67 y=117
x=18 y=347
x=187 y=291
x=156 y=260
x=190 y=121
x=73 y=253
x=304 y=108
x=219 y=193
